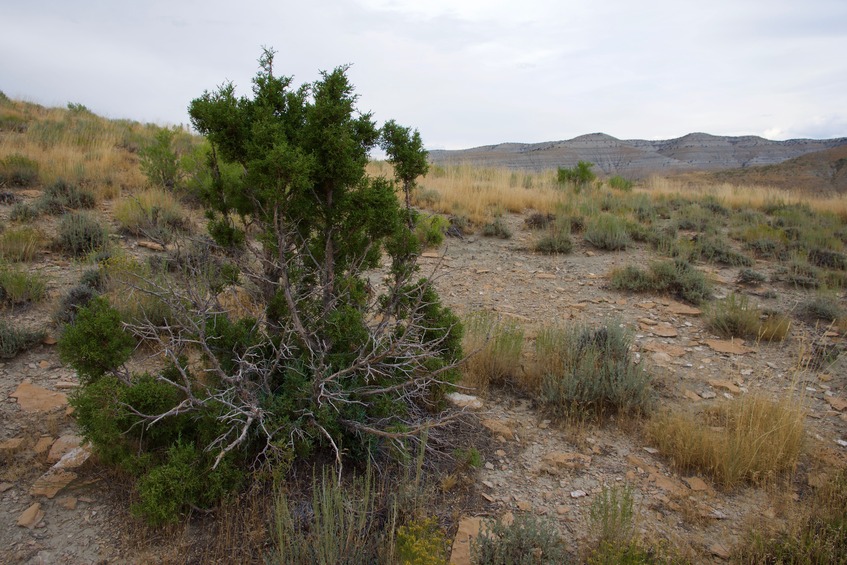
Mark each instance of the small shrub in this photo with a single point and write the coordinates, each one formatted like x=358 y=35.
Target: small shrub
x=23 y=212
x=749 y=276
x=555 y=242
x=821 y=308
x=620 y=183
x=734 y=316
x=495 y=346
x=93 y=278
x=153 y=213
x=774 y=327
x=470 y=457
x=590 y=372
x=750 y=439
x=19 y=287
x=80 y=233
x=579 y=175
x=828 y=259
x=497 y=228
x=430 y=230
x=20 y=244
x=427 y=197
x=422 y=542
x=714 y=249
x=13 y=340
x=95 y=344
x=62 y=196
x=539 y=221
x=76 y=298
x=611 y=515
x=132 y=289
x=18 y=170
x=675 y=277
x=528 y=540
x=607 y=232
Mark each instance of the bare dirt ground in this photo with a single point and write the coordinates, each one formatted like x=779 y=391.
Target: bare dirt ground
x=538 y=466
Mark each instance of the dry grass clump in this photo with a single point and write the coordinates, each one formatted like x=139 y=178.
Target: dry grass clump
x=20 y=244
x=495 y=345
x=153 y=213
x=750 y=439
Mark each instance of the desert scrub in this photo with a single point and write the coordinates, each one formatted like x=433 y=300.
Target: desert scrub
x=590 y=372
x=607 y=232
x=823 y=307
x=750 y=277
x=422 y=542
x=497 y=228
x=495 y=345
x=20 y=244
x=135 y=291
x=676 y=277
x=18 y=170
x=62 y=196
x=81 y=233
x=153 y=213
x=528 y=540
x=611 y=515
x=19 y=287
x=23 y=212
x=76 y=298
x=13 y=340
x=828 y=259
x=714 y=249
x=734 y=316
x=557 y=239
x=750 y=439
x=774 y=326
x=430 y=229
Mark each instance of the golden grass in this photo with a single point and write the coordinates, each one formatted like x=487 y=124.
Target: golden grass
x=751 y=439
x=153 y=208
x=21 y=244
x=496 y=346
x=93 y=152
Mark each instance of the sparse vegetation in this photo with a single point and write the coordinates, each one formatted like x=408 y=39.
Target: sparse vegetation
x=528 y=540
x=154 y=213
x=676 y=277
x=20 y=244
x=81 y=233
x=15 y=340
x=495 y=345
x=607 y=232
x=734 y=316
x=20 y=287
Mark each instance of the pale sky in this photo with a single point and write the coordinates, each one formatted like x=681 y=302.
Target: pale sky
x=464 y=72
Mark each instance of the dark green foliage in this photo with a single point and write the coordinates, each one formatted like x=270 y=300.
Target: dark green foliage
x=430 y=229
x=620 y=183
x=80 y=233
x=579 y=175
x=95 y=344
x=528 y=540
x=13 y=340
x=18 y=170
x=159 y=160
x=62 y=196
x=407 y=155
x=675 y=277
x=597 y=375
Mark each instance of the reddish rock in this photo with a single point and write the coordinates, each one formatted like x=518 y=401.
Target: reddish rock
x=31 y=516
x=62 y=446
x=32 y=398
x=469 y=528
x=733 y=347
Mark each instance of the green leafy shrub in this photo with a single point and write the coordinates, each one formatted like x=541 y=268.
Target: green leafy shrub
x=620 y=183
x=607 y=232
x=159 y=160
x=13 y=340
x=80 y=233
x=18 y=170
x=528 y=540
x=590 y=372
x=95 y=344
x=579 y=175
x=430 y=229
x=19 y=287
x=62 y=196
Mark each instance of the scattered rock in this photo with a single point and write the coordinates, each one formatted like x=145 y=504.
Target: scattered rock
x=696 y=484
x=10 y=446
x=691 y=395
x=151 y=245
x=664 y=330
x=545 y=276
x=5 y=486
x=62 y=446
x=578 y=493
x=667 y=348
x=733 y=347
x=49 y=340
x=31 y=516
x=469 y=528
x=52 y=482
x=554 y=462
x=67 y=502
x=460 y=400
x=708 y=394
x=726 y=385
x=498 y=428
x=719 y=550
x=32 y=398
x=683 y=309
x=837 y=403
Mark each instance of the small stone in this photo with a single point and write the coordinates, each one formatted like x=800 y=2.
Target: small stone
x=500 y=453
x=67 y=502
x=489 y=465
x=719 y=550
x=498 y=428
x=52 y=482
x=561 y=510
x=734 y=347
x=726 y=385
x=524 y=506
x=841 y=442
x=460 y=400
x=665 y=331
x=32 y=398
x=44 y=364
x=10 y=446
x=49 y=340
x=691 y=395
x=837 y=403
x=651 y=450
x=708 y=394
x=696 y=484
x=557 y=460
x=469 y=528
x=488 y=497
x=648 y=321
x=62 y=446
x=5 y=486
x=578 y=493
x=31 y=516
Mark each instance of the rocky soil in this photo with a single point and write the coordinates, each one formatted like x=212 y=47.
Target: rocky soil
x=56 y=507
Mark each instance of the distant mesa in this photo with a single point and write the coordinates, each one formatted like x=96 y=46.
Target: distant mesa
x=639 y=158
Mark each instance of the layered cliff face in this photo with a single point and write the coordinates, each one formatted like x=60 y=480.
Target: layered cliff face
x=639 y=158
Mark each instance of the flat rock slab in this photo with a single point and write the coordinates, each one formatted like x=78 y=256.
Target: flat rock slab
x=663 y=330
x=62 y=446
x=52 y=482
x=696 y=484
x=683 y=309
x=725 y=385
x=10 y=446
x=469 y=528
x=31 y=516
x=672 y=350
x=33 y=398
x=499 y=428
x=731 y=347
x=837 y=403
x=556 y=460
x=460 y=400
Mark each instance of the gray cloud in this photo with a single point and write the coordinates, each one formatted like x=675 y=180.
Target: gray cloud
x=465 y=73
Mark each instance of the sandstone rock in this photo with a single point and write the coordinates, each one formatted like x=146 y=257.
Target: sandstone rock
x=62 y=446
x=31 y=516
x=49 y=340
x=151 y=245
x=691 y=395
x=32 y=398
x=460 y=400
x=726 y=385
x=43 y=364
x=5 y=486
x=524 y=506
x=665 y=330
x=646 y=305
x=667 y=484
x=837 y=403
x=545 y=276
x=499 y=428
x=561 y=510
x=647 y=322
x=10 y=446
x=683 y=309
x=555 y=461
x=696 y=484
x=734 y=347
x=67 y=502
x=52 y=482
x=719 y=550
x=708 y=394
x=661 y=358
x=469 y=528
x=667 y=348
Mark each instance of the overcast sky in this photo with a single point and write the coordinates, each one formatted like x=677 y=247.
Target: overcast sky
x=464 y=72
